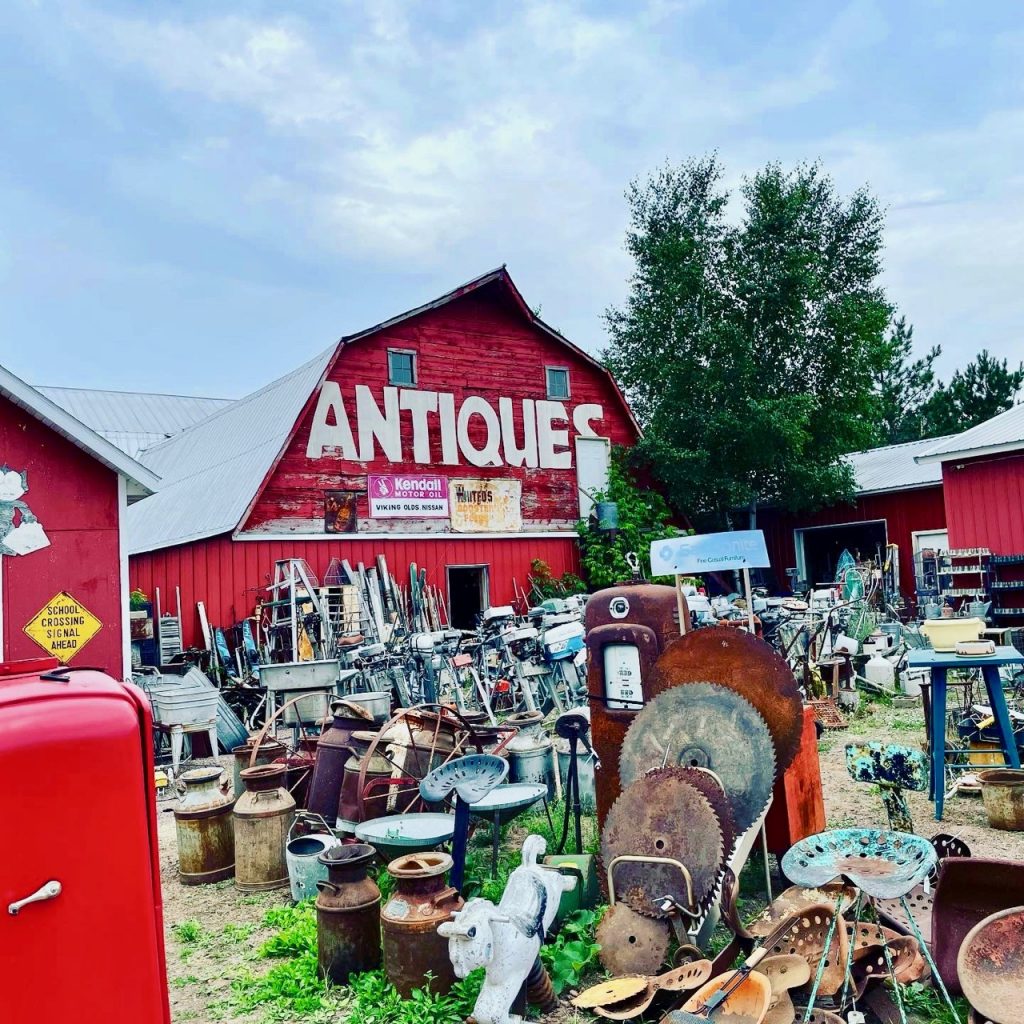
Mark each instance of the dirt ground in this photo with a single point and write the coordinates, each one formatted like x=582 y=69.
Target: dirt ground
x=213 y=931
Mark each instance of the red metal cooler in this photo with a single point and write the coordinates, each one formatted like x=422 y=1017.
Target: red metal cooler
x=81 y=918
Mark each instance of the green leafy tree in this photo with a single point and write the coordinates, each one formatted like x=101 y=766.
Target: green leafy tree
x=985 y=387
x=748 y=349
x=903 y=386
x=643 y=517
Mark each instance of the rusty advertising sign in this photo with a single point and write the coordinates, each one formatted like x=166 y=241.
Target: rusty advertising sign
x=486 y=506
x=339 y=512
x=63 y=626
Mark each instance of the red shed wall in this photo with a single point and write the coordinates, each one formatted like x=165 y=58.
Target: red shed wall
x=478 y=345
x=75 y=499
x=905 y=512
x=985 y=503
x=230 y=575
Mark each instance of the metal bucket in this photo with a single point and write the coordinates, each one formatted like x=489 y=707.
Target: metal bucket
x=530 y=753
x=1002 y=793
x=584 y=775
x=304 y=869
x=378 y=703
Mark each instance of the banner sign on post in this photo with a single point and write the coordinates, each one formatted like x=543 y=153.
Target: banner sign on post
x=487 y=506
x=709 y=552
x=410 y=496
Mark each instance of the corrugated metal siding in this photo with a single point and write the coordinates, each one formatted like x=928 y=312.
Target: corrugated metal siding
x=893 y=467
x=133 y=420
x=1006 y=428
x=904 y=512
x=210 y=472
x=985 y=503
x=230 y=575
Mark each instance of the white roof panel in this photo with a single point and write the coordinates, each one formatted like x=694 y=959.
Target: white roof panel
x=1002 y=433
x=894 y=467
x=210 y=471
x=133 y=420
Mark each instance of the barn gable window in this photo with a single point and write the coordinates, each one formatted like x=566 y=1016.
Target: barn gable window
x=401 y=367
x=557 y=381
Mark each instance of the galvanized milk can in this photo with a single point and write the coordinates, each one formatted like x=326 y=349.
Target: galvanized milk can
x=347 y=915
x=422 y=900
x=263 y=816
x=333 y=749
x=530 y=752
x=206 y=833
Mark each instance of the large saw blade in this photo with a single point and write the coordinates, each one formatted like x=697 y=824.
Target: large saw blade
x=703 y=725
x=662 y=815
x=630 y=943
x=734 y=658
x=711 y=788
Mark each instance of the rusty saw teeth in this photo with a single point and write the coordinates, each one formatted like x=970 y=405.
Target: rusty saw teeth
x=704 y=725
x=663 y=815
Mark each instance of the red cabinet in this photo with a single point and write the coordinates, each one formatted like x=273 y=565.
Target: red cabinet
x=78 y=810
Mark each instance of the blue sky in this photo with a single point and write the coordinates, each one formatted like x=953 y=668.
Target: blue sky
x=196 y=197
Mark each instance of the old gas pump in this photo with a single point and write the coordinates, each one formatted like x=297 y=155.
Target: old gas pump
x=628 y=627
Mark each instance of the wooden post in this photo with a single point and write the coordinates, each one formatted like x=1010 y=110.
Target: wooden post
x=750 y=600
x=684 y=625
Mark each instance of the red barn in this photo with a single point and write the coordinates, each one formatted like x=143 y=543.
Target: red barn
x=899 y=501
x=465 y=435
x=983 y=477
x=63 y=566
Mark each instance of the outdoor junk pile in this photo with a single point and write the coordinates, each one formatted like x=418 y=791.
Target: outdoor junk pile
x=687 y=736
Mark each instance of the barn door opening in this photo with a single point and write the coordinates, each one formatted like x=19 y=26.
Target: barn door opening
x=818 y=548
x=468 y=594
x=593 y=455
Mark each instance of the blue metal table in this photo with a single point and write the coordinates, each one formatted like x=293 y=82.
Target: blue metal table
x=938 y=663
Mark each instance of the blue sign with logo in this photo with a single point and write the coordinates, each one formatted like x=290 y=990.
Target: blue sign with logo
x=709 y=552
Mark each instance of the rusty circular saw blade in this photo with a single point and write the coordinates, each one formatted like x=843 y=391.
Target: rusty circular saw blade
x=734 y=658
x=705 y=725
x=631 y=943
x=663 y=815
x=712 y=790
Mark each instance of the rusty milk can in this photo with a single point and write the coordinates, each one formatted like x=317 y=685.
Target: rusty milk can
x=206 y=832
x=378 y=767
x=347 y=916
x=269 y=751
x=263 y=815
x=333 y=750
x=422 y=900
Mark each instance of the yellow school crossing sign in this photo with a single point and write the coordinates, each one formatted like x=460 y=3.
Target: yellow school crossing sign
x=63 y=626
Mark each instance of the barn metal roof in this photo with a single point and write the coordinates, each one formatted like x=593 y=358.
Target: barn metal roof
x=141 y=480
x=893 y=467
x=1002 y=433
x=211 y=470
x=133 y=420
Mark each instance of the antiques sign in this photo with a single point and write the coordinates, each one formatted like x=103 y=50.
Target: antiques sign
x=486 y=506
x=410 y=496
x=63 y=627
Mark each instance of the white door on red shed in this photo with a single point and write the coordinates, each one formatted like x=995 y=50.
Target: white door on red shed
x=593 y=455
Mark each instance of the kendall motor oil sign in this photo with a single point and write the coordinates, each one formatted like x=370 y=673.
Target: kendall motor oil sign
x=408 y=496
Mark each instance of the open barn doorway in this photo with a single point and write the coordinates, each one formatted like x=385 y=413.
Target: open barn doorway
x=818 y=548
x=468 y=594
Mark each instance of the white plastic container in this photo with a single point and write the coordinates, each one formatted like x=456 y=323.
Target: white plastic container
x=880 y=672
